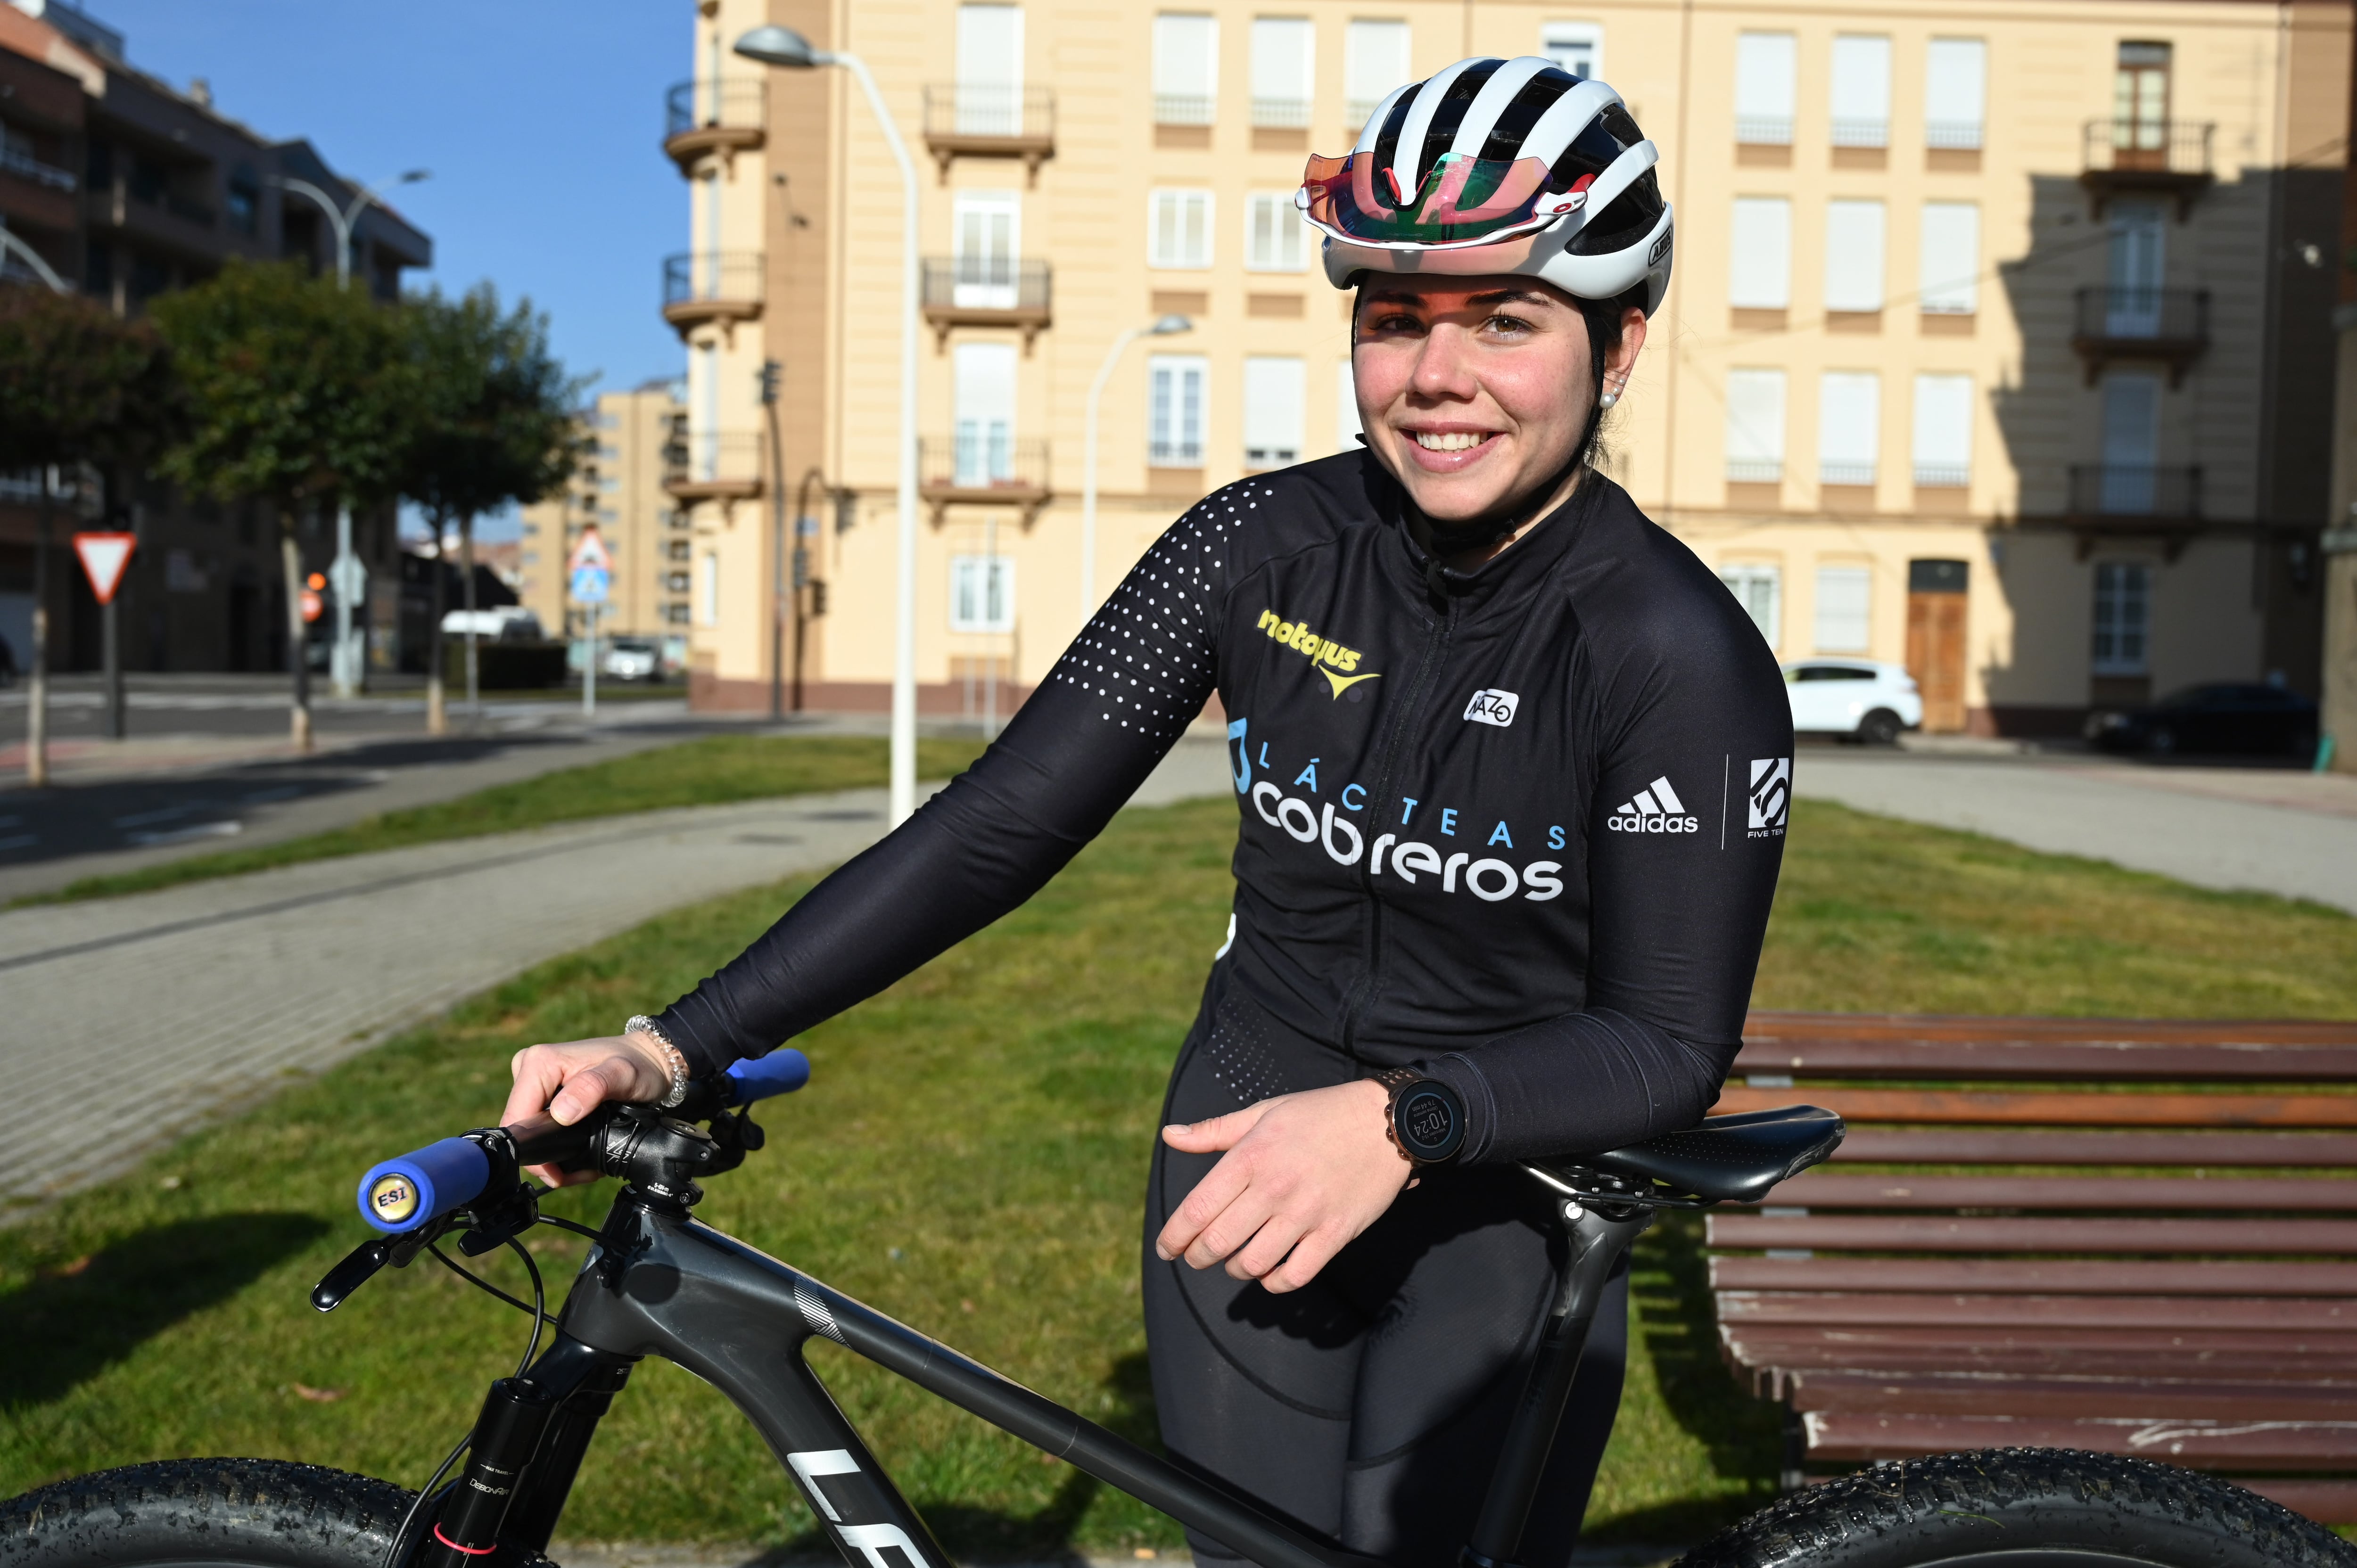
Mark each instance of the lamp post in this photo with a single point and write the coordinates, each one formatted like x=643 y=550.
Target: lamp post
x=37 y=697
x=1163 y=327
x=773 y=45
x=347 y=575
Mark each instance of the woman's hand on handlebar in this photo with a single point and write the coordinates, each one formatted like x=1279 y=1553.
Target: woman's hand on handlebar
x=1301 y=1174
x=570 y=1080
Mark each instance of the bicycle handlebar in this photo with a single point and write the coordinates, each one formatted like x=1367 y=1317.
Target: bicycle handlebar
x=408 y=1191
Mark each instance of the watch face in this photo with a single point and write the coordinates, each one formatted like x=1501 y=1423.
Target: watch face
x=1430 y=1123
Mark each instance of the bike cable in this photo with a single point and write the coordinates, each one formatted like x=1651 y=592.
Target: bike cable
x=485 y=1286
x=397 y=1553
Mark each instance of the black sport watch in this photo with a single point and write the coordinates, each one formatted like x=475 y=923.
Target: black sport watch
x=1426 y=1121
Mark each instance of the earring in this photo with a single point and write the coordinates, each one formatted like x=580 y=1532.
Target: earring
x=1608 y=400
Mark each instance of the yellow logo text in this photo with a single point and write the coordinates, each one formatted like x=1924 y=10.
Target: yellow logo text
x=1323 y=651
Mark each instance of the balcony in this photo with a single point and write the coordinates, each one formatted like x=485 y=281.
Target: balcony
x=1184 y=109
x=2168 y=325
x=725 y=116
x=25 y=166
x=977 y=121
x=701 y=286
x=722 y=466
x=1281 y=114
x=2142 y=500
x=2147 y=157
x=986 y=291
x=982 y=467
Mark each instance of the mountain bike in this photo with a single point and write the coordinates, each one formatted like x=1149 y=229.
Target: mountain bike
x=657 y=1282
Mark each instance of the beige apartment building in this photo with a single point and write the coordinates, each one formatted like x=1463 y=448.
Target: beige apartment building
x=2000 y=342
x=634 y=443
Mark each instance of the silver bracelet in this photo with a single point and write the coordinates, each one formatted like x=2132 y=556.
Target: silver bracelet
x=640 y=1023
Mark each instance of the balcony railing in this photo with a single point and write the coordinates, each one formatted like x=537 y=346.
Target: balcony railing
x=2171 y=325
x=1179 y=453
x=2135 y=489
x=980 y=463
x=1280 y=114
x=722 y=465
x=985 y=120
x=986 y=291
x=1763 y=130
x=1859 y=133
x=1358 y=112
x=1830 y=472
x=1183 y=109
x=1942 y=476
x=1754 y=471
x=724 y=114
x=2179 y=147
x=712 y=286
x=1953 y=135
x=25 y=166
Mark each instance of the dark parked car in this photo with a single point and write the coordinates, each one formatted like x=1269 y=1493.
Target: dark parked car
x=2246 y=718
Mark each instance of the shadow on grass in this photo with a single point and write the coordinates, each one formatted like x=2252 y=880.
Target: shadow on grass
x=73 y=1321
x=974 y=1534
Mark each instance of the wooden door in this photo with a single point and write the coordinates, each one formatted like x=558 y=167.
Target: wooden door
x=1936 y=601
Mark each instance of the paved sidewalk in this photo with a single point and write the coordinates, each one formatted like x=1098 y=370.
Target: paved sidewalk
x=2231 y=828
x=166 y=1010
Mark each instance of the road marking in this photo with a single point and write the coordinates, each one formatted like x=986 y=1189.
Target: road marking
x=182 y=835
x=143 y=819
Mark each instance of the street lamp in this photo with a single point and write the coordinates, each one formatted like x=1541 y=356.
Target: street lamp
x=782 y=47
x=36 y=713
x=349 y=576
x=1163 y=327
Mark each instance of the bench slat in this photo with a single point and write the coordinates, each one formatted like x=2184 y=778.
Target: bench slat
x=2243 y=1194
x=2033 y=1060
x=1983 y=1145
x=2107 y=1276
x=1768 y=1371
x=1770 y=1024
x=1864 y=1343
x=1894 y=1233
x=2011 y=1394
x=2295 y=1312
x=2044 y=1109
x=2311 y=1446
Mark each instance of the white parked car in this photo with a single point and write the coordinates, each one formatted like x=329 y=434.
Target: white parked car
x=633 y=659
x=507 y=623
x=1857 y=699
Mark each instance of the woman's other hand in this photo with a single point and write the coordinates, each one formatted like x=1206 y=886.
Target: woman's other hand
x=570 y=1080
x=1298 y=1177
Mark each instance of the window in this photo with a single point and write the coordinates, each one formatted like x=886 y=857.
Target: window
x=1272 y=412
x=1755 y=427
x=1956 y=91
x=1760 y=250
x=1179 y=229
x=676 y=582
x=675 y=615
x=1283 y=55
x=1849 y=426
x=1755 y=587
x=2140 y=106
x=1943 y=430
x=1861 y=102
x=241 y=197
x=1375 y=61
x=2131 y=444
x=981 y=593
x=1347 y=427
x=1275 y=235
x=2137 y=263
x=990 y=71
x=1174 y=433
x=1854 y=255
x=985 y=452
x=1185 y=68
x=2123 y=618
x=1845 y=596
x=707 y=589
x=986 y=228
x=1948 y=259
x=1763 y=88
x=1576 y=46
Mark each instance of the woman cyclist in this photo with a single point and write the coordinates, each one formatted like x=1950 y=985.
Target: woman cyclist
x=1510 y=768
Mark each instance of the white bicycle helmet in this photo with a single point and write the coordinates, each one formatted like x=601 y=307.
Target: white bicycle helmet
x=1497 y=165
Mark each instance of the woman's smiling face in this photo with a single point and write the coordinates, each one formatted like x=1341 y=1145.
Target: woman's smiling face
x=1475 y=391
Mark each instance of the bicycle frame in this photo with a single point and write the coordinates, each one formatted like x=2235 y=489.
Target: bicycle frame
x=661 y=1284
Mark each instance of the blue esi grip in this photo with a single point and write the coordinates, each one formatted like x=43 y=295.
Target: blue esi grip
x=402 y=1194
x=758 y=1077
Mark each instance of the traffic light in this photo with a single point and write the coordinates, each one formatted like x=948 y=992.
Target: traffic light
x=316 y=582
x=772 y=373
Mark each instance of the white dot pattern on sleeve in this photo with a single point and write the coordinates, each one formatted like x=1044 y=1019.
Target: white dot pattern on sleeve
x=1149 y=656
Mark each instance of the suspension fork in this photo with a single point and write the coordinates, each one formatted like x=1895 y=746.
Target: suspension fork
x=1600 y=1236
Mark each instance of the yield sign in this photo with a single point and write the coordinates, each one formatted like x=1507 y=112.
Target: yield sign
x=103 y=556
x=590 y=552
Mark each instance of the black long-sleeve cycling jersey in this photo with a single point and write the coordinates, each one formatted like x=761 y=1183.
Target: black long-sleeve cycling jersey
x=1521 y=825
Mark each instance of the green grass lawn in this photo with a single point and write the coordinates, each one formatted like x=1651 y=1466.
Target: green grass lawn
x=970 y=1158
x=711 y=772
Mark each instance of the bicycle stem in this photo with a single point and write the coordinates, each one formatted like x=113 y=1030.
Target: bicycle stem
x=1599 y=1239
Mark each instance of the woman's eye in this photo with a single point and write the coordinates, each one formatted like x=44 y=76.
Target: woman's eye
x=1508 y=324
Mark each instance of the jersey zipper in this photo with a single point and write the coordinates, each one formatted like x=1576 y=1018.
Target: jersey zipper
x=1362 y=990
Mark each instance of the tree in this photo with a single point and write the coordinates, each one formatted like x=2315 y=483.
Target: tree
x=301 y=395
x=495 y=425
x=78 y=388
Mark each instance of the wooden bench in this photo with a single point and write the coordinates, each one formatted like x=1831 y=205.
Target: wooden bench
x=2133 y=1237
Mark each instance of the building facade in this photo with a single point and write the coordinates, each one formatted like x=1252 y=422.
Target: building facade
x=634 y=442
x=126 y=187
x=1999 y=345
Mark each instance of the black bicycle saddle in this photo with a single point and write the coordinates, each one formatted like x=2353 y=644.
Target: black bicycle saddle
x=1727 y=1159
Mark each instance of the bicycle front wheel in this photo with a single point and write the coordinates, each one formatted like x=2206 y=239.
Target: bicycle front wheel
x=2025 y=1508
x=204 y=1513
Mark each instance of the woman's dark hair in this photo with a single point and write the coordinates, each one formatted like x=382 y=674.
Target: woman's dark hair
x=1604 y=317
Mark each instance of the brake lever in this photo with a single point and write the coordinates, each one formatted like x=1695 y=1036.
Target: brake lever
x=361 y=1263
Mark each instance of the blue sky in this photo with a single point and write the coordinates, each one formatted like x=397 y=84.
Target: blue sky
x=541 y=121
